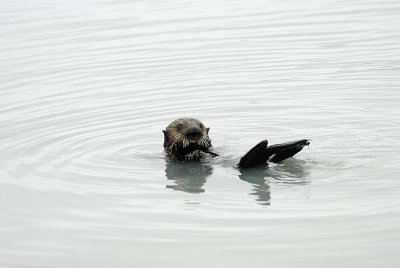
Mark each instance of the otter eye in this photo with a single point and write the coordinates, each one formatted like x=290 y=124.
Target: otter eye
x=201 y=125
x=179 y=127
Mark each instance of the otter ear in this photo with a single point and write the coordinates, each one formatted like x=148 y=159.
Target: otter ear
x=165 y=138
x=208 y=129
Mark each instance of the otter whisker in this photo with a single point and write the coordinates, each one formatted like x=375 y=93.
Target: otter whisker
x=204 y=142
x=176 y=140
x=185 y=142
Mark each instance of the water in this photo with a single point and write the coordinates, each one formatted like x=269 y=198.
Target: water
x=87 y=87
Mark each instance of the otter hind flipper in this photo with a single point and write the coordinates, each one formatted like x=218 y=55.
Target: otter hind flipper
x=256 y=156
x=261 y=153
x=286 y=150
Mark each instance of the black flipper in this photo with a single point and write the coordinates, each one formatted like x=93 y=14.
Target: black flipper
x=286 y=150
x=260 y=153
x=257 y=155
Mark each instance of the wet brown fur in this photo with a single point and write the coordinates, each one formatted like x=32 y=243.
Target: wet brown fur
x=179 y=140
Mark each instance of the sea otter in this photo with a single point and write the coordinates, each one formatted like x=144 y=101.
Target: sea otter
x=187 y=139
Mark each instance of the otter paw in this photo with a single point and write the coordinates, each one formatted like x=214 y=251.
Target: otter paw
x=193 y=155
x=189 y=156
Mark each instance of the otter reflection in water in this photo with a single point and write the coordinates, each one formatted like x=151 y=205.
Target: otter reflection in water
x=292 y=172
x=189 y=177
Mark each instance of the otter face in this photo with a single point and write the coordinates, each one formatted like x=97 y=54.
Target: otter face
x=184 y=136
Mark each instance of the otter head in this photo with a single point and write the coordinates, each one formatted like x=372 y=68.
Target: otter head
x=184 y=136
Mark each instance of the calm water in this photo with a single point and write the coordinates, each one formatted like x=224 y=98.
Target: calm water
x=87 y=87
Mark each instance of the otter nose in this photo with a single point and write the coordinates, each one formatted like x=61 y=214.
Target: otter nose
x=193 y=132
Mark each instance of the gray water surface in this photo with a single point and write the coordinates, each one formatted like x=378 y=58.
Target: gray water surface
x=87 y=86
